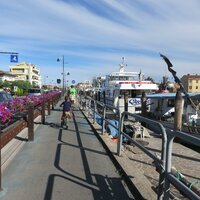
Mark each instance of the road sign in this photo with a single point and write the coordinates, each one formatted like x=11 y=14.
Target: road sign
x=13 y=58
x=58 y=81
x=15 y=88
x=73 y=81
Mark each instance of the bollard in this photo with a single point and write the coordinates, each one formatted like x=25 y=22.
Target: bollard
x=43 y=112
x=178 y=111
x=31 y=121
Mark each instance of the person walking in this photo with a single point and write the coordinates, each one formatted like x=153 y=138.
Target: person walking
x=72 y=94
x=66 y=115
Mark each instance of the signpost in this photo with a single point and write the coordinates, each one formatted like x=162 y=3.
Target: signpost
x=73 y=81
x=13 y=58
x=58 y=81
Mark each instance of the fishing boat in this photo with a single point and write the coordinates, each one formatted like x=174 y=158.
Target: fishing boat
x=119 y=84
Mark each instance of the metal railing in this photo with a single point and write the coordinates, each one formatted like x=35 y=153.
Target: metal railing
x=164 y=163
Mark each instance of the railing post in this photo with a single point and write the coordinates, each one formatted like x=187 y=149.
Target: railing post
x=103 y=119
x=43 y=112
x=120 y=129
x=49 y=107
x=168 y=163
x=94 y=113
x=104 y=97
x=31 y=121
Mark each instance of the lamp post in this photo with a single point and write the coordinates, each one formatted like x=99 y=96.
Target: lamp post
x=63 y=73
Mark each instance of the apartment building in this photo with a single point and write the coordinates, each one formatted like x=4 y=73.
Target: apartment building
x=191 y=82
x=27 y=72
x=6 y=76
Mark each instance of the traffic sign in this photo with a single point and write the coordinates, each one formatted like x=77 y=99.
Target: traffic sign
x=73 y=81
x=13 y=58
x=58 y=81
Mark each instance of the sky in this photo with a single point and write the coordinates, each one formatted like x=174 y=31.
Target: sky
x=94 y=35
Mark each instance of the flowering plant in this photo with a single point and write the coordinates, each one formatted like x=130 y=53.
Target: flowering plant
x=10 y=108
x=5 y=113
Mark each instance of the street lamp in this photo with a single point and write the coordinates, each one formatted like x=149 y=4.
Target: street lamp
x=63 y=73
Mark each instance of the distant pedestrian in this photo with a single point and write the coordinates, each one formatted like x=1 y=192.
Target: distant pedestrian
x=66 y=115
x=72 y=94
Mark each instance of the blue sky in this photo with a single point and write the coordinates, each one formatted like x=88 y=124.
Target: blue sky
x=94 y=35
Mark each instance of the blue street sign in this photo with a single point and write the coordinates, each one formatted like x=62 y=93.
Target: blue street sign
x=13 y=58
x=58 y=81
x=73 y=81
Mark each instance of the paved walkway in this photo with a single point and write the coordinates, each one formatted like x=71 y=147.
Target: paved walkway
x=63 y=164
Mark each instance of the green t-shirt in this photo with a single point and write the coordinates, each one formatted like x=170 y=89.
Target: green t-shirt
x=72 y=91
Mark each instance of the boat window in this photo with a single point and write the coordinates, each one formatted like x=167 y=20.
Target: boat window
x=133 y=93
x=171 y=103
x=122 y=92
x=121 y=78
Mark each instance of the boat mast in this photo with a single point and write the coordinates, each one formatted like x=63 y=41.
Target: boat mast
x=122 y=65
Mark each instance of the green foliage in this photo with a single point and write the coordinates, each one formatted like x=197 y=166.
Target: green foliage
x=19 y=92
x=24 y=85
x=7 y=84
x=149 y=79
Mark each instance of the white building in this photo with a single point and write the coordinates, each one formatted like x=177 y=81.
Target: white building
x=6 y=76
x=27 y=72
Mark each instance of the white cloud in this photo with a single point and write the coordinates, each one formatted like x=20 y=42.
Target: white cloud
x=138 y=30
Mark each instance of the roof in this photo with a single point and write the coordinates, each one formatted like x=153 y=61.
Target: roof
x=193 y=95
x=2 y=73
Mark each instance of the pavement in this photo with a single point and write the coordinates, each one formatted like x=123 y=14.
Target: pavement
x=63 y=164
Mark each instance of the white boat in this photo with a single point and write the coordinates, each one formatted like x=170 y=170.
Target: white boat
x=162 y=106
x=117 y=84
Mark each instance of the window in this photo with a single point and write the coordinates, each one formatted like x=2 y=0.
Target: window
x=196 y=87
x=171 y=103
x=196 y=81
x=190 y=87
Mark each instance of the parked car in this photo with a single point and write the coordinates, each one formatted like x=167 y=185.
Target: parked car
x=34 y=91
x=5 y=96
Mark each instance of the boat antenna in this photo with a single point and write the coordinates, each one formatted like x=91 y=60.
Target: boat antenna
x=122 y=65
x=177 y=80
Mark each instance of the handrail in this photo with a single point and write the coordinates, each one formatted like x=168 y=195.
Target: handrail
x=164 y=163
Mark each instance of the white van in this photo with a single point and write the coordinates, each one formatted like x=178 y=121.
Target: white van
x=34 y=91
